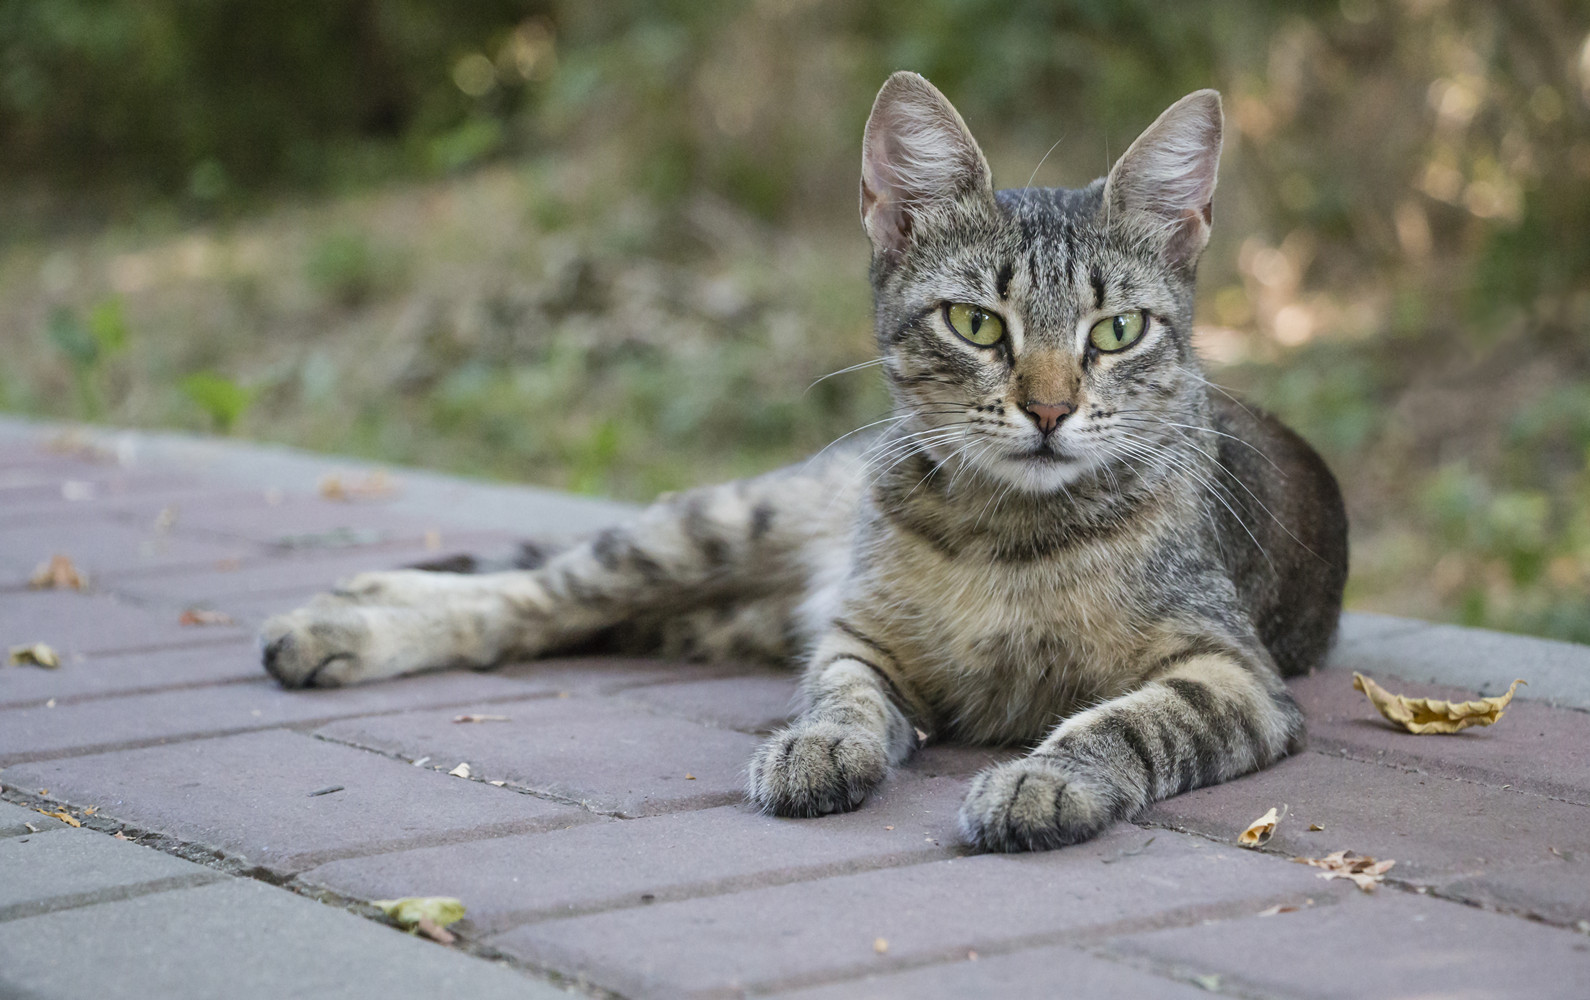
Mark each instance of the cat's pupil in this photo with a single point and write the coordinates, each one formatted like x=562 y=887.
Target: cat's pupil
x=1119 y=328
x=977 y=320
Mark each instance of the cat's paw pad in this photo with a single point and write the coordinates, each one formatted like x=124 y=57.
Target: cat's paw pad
x=812 y=769
x=1034 y=804
x=317 y=646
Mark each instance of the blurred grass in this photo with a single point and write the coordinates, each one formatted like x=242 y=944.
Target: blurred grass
x=609 y=247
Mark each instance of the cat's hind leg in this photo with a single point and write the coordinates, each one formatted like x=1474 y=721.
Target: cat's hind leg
x=732 y=545
x=389 y=624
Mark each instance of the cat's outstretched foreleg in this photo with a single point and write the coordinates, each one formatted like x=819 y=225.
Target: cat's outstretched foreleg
x=1200 y=721
x=845 y=741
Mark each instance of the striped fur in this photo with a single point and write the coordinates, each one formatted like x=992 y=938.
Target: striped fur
x=1123 y=593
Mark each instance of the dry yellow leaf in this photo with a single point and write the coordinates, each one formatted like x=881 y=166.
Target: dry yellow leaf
x=1260 y=830
x=36 y=654
x=203 y=616
x=62 y=815
x=1428 y=715
x=411 y=910
x=57 y=573
x=1365 y=872
x=461 y=771
x=375 y=485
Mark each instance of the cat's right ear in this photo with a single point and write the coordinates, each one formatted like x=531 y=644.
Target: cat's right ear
x=917 y=159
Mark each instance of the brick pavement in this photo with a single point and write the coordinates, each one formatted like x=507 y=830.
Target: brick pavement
x=600 y=843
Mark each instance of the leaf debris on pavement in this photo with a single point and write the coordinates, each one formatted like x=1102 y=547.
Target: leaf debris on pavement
x=1131 y=852
x=374 y=485
x=1365 y=872
x=35 y=654
x=203 y=616
x=428 y=915
x=1430 y=715
x=1260 y=830
x=62 y=815
x=461 y=771
x=57 y=573
x=481 y=718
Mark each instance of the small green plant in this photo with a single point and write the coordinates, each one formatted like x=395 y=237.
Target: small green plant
x=222 y=400
x=343 y=267
x=87 y=346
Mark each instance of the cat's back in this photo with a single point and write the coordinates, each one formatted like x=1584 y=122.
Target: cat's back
x=1284 y=542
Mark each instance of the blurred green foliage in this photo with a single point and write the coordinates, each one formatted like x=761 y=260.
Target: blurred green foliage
x=221 y=399
x=608 y=246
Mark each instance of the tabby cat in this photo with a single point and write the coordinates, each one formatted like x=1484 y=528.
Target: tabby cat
x=1065 y=537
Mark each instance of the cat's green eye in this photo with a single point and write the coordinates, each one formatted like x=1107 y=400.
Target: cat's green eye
x=973 y=323
x=1118 y=332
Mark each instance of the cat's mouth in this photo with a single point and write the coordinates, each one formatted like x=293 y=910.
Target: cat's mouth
x=1045 y=454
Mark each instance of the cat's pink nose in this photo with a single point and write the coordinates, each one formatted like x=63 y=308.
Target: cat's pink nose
x=1048 y=415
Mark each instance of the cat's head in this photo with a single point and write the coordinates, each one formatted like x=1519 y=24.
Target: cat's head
x=1038 y=335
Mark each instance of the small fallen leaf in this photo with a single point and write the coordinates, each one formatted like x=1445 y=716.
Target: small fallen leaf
x=498 y=784
x=410 y=910
x=1260 y=830
x=1210 y=983
x=1429 y=715
x=461 y=771
x=57 y=573
x=91 y=810
x=1277 y=908
x=689 y=776
x=1315 y=828
x=31 y=827
x=481 y=718
x=880 y=945
x=38 y=655
x=888 y=828
x=62 y=815
x=204 y=616
x=435 y=931
x=421 y=762
x=374 y=485
x=1130 y=852
x=118 y=835
x=1365 y=872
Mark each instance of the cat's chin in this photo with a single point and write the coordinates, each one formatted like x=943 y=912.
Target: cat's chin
x=1040 y=472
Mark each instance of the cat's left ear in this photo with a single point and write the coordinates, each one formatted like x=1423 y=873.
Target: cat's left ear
x=1168 y=174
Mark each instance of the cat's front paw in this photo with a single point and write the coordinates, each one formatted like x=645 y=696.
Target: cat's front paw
x=1034 y=804
x=815 y=768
